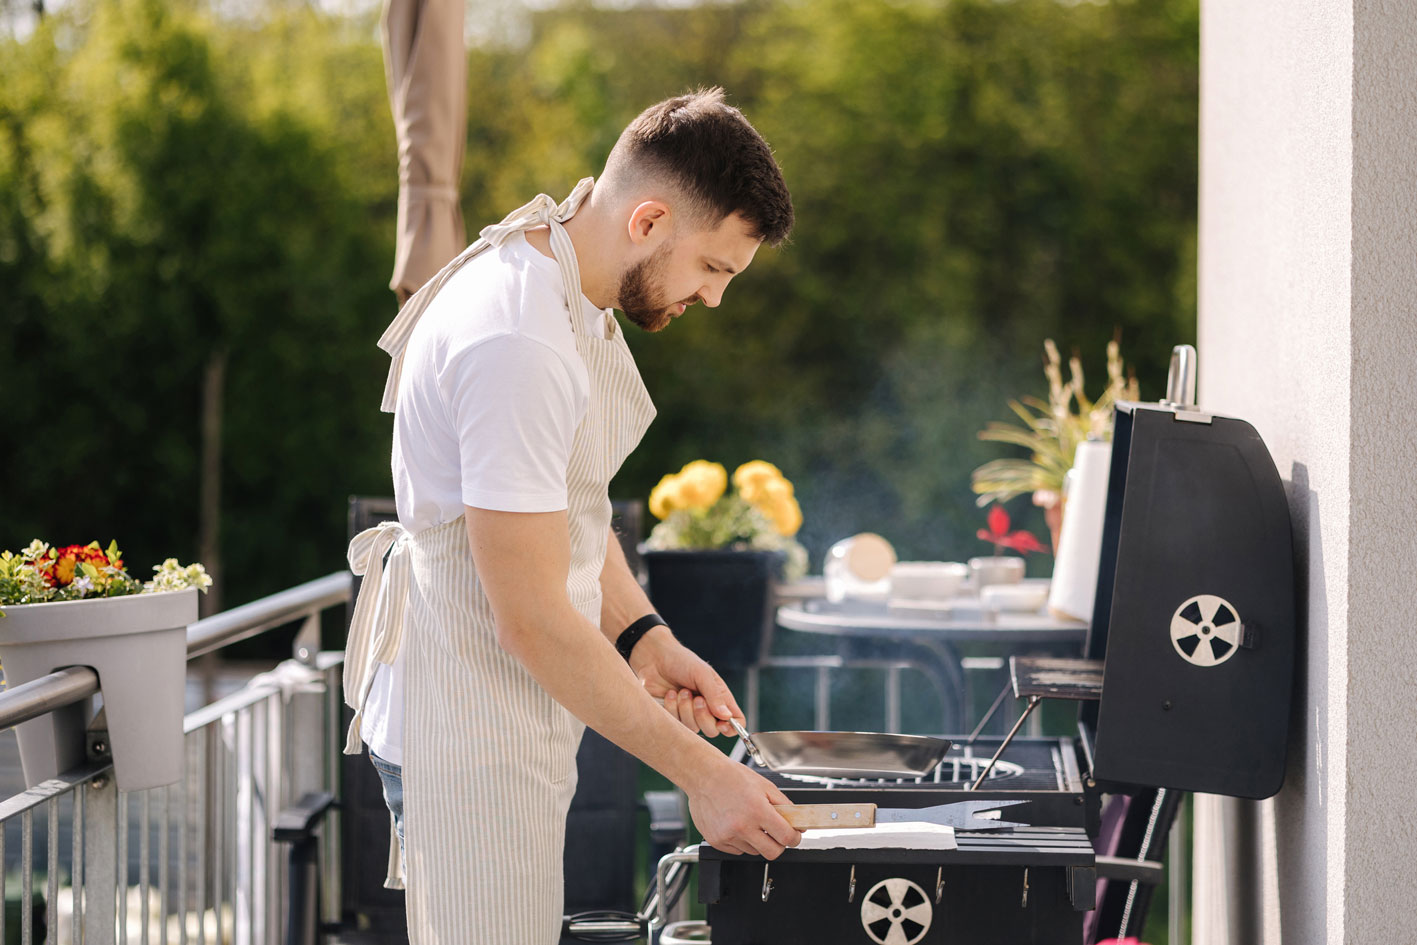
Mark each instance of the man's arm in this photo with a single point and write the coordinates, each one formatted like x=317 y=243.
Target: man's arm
x=622 y=600
x=670 y=672
x=522 y=560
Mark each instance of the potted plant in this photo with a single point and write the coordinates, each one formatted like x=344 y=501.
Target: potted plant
x=77 y=605
x=1000 y=568
x=1051 y=432
x=713 y=557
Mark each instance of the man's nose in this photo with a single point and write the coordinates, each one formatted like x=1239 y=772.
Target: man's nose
x=710 y=296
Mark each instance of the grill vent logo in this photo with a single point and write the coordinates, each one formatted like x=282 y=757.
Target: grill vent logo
x=1205 y=630
x=896 y=912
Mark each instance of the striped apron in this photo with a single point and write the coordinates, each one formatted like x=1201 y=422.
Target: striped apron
x=489 y=757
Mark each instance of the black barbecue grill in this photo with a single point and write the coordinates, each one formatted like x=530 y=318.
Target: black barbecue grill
x=1185 y=686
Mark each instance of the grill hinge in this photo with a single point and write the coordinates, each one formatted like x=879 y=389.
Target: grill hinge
x=1249 y=636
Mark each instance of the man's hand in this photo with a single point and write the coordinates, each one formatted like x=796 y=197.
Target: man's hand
x=733 y=809
x=686 y=685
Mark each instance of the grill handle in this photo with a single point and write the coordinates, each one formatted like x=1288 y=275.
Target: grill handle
x=1181 y=379
x=752 y=746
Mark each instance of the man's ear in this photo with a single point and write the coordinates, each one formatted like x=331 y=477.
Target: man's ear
x=645 y=219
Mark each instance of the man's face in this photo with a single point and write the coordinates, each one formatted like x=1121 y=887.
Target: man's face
x=694 y=267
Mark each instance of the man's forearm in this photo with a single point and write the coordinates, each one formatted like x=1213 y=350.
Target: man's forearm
x=622 y=600
x=564 y=655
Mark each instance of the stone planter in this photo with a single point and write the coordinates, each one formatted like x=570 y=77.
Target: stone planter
x=138 y=647
x=719 y=603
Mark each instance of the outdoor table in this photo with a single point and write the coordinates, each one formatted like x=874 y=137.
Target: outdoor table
x=933 y=633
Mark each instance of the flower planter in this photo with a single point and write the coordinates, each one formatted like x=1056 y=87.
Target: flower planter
x=138 y=647
x=719 y=603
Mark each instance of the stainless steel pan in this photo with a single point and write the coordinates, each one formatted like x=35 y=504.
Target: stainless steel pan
x=845 y=754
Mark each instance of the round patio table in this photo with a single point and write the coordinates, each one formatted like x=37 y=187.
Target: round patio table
x=932 y=633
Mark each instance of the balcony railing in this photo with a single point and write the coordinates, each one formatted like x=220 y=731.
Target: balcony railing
x=193 y=862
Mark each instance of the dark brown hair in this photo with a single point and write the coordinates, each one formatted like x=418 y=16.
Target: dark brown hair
x=714 y=155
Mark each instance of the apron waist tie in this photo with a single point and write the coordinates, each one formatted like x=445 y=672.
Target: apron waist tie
x=376 y=628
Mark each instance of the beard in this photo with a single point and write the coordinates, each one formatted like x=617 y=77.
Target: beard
x=641 y=298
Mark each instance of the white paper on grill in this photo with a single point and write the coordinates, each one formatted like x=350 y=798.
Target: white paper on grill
x=901 y=836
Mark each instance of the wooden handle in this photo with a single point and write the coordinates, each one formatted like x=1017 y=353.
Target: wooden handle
x=807 y=816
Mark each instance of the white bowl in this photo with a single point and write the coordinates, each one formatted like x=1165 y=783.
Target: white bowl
x=927 y=580
x=997 y=569
x=1014 y=598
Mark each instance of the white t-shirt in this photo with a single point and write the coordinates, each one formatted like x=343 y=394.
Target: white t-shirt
x=489 y=400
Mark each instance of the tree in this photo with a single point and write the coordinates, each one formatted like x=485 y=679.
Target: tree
x=181 y=193
x=175 y=244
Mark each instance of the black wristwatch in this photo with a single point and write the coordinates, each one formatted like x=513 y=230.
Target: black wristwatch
x=628 y=637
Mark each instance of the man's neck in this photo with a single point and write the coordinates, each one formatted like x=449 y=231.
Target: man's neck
x=592 y=234
x=585 y=231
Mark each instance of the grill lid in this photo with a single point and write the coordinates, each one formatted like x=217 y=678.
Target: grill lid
x=1194 y=615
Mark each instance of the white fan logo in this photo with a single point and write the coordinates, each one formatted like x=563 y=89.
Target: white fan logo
x=896 y=912
x=1205 y=630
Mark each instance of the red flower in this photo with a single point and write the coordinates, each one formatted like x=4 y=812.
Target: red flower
x=999 y=536
x=59 y=570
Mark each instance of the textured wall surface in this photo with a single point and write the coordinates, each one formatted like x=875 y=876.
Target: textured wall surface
x=1381 y=838
x=1307 y=328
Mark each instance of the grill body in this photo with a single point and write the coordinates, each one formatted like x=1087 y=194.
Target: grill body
x=1017 y=888
x=982 y=900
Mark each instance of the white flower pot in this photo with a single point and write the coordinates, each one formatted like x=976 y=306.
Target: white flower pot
x=138 y=647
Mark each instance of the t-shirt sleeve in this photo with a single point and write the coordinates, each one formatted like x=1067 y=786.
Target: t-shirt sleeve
x=514 y=406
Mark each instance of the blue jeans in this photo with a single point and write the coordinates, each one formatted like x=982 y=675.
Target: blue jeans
x=392 y=777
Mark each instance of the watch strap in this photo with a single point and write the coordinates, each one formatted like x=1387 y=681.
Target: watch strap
x=625 y=642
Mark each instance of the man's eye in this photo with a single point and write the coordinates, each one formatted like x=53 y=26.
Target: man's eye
x=710 y=269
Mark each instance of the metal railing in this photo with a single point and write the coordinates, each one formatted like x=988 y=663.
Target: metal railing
x=192 y=862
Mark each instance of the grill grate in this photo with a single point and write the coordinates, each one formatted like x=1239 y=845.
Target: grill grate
x=1028 y=765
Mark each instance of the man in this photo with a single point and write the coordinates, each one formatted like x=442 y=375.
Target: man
x=492 y=636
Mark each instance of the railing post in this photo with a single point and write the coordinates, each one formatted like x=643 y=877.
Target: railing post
x=333 y=878
x=308 y=741
x=100 y=859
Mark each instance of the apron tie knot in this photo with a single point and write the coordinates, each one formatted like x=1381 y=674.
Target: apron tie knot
x=376 y=628
x=540 y=211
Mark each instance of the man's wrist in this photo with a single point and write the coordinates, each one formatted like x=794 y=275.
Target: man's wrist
x=625 y=643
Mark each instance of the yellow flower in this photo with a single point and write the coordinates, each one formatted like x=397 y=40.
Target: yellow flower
x=777 y=502
x=753 y=479
x=786 y=516
x=701 y=484
x=663 y=499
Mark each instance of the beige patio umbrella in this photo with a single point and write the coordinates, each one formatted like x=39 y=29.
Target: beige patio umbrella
x=425 y=63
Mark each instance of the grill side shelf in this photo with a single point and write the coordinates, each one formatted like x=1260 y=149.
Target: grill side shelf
x=1056 y=678
x=1036 y=846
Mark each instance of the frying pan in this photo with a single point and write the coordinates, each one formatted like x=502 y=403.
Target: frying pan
x=845 y=754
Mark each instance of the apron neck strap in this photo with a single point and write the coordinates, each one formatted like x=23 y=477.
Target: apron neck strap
x=540 y=211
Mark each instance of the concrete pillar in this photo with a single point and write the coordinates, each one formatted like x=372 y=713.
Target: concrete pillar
x=1308 y=329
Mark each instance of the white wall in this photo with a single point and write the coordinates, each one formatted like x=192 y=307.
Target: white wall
x=1308 y=328
x=1381 y=837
